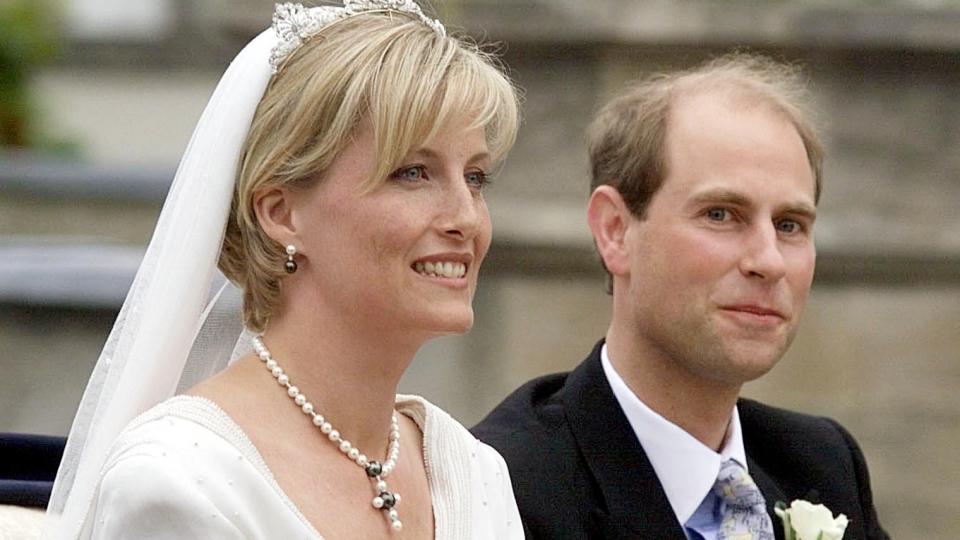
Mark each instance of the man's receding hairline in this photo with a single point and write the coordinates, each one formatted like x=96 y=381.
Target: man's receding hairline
x=732 y=91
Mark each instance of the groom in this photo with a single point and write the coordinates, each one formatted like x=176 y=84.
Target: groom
x=705 y=186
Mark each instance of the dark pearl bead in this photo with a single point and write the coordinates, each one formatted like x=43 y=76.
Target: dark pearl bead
x=290 y=267
x=388 y=500
x=374 y=469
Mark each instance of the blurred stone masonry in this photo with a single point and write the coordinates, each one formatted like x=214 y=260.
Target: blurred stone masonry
x=877 y=350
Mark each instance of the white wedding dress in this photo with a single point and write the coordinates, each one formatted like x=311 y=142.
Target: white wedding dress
x=184 y=470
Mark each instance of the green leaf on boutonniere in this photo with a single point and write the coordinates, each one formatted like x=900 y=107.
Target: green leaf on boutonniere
x=780 y=508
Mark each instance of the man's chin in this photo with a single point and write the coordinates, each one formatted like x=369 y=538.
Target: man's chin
x=746 y=364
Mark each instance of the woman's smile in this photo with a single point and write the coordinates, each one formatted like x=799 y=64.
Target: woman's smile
x=447 y=269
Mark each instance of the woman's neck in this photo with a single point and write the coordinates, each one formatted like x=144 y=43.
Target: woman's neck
x=349 y=371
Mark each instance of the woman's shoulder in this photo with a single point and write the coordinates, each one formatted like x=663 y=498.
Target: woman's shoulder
x=445 y=434
x=161 y=471
x=183 y=437
x=434 y=422
x=469 y=481
x=185 y=465
x=176 y=425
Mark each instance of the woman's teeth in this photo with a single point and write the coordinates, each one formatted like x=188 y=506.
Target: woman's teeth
x=441 y=269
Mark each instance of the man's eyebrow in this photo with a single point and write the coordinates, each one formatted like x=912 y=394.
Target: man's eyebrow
x=721 y=195
x=736 y=198
x=804 y=209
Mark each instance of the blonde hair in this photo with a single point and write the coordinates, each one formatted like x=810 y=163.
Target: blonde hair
x=389 y=70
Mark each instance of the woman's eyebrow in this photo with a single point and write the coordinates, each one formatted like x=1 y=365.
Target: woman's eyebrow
x=427 y=153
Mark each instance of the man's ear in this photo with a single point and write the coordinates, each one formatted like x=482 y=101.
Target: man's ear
x=609 y=218
x=273 y=208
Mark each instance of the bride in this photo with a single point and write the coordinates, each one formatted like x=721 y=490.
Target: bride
x=339 y=172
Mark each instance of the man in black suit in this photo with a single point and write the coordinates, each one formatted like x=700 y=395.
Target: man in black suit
x=705 y=185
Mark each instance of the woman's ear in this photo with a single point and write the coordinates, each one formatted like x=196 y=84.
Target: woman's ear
x=273 y=208
x=609 y=218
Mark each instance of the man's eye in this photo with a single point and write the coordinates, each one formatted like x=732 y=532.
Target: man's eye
x=788 y=226
x=718 y=214
x=409 y=173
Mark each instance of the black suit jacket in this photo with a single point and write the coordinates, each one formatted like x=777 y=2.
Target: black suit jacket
x=578 y=470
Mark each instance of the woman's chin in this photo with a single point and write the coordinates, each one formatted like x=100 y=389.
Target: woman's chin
x=453 y=323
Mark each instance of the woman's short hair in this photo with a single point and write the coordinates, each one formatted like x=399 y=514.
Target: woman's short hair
x=394 y=72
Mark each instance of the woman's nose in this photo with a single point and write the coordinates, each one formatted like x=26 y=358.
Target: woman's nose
x=462 y=215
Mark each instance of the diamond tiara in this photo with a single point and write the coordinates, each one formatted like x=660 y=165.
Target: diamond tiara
x=295 y=24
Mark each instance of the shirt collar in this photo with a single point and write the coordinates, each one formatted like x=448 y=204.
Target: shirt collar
x=687 y=468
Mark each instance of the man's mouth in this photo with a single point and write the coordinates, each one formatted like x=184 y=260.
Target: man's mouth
x=755 y=310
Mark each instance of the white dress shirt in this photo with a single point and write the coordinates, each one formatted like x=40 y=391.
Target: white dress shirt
x=687 y=468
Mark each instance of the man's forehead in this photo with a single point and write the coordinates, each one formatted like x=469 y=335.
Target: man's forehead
x=691 y=105
x=736 y=152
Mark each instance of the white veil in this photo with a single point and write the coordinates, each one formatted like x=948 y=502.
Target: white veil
x=181 y=320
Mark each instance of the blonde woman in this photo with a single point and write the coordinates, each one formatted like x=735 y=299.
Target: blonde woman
x=341 y=163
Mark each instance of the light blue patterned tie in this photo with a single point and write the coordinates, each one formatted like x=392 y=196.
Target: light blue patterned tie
x=745 y=514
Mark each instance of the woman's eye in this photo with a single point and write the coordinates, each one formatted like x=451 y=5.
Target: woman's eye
x=718 y=214
x=477 y=179
x=410 y=173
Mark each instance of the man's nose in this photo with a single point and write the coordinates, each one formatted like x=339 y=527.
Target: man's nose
x=762 y=254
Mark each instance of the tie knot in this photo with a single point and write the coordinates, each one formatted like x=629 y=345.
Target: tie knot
x=736 y=488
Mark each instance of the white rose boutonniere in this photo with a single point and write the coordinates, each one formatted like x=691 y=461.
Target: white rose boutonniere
x=806 y=521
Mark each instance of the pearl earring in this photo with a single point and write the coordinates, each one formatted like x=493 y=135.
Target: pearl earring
x=291 y=265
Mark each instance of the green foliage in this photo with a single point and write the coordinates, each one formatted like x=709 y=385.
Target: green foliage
x=28 y=37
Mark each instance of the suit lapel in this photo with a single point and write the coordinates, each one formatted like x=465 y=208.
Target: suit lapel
x=635 y=505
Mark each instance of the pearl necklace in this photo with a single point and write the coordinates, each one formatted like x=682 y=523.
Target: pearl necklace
x=384 y=500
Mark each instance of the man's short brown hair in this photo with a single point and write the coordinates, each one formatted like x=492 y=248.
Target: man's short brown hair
x=626 y=139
